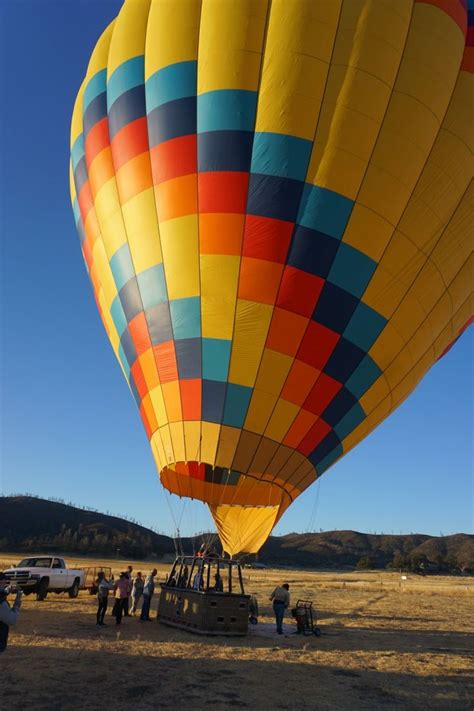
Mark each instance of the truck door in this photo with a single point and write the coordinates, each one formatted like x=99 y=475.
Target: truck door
x=59 y=577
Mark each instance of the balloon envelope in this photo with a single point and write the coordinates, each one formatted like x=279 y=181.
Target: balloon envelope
x=275 y=204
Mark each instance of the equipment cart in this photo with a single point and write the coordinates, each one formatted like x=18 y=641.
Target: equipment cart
x=305 y=616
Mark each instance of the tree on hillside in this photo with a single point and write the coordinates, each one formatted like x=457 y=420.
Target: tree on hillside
x=439 y=560
x=365 y=563
x=468 y=568
x=398 y=562
x=452 y=564
x=415 y=561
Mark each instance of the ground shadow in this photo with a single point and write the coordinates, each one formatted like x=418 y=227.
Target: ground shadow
x=48 y=679
x=331 y=614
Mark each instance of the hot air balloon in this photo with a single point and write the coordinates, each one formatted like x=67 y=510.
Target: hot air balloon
x=275 y=208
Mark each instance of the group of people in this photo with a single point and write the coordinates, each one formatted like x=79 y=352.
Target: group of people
x=127 y=591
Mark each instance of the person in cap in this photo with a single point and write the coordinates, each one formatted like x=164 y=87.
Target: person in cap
x=281 y=600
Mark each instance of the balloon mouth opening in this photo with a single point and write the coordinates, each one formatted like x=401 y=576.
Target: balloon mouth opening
x=245 y=506
x=218 y=486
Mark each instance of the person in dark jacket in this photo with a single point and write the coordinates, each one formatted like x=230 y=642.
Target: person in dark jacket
x=183 y=578
x=126 y=605
x=218 y=583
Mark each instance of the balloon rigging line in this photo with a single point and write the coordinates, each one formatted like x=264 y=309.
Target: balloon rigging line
x=314 y=511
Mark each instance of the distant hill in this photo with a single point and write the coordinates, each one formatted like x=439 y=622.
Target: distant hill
x=347 y=548
x=30 y=524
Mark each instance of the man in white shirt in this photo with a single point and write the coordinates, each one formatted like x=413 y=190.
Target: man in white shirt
x=148 y=590
x=281 y=600
x=8 y=615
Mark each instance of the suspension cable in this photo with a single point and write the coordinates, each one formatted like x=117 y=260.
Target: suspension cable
x=314 y=511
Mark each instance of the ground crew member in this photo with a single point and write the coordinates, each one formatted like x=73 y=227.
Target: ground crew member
x=281 y=600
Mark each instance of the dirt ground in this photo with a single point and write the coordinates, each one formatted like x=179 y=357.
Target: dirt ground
x=386 y=643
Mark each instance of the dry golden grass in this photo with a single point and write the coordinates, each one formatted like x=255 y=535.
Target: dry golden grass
x=386 y=643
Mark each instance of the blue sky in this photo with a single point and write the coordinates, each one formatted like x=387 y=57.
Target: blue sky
x=69 y=426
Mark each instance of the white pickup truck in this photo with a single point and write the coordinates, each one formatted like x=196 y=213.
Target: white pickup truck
x=43 y=574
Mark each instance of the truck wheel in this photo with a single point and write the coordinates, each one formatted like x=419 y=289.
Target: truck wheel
x=42 y=589
x=74 y=589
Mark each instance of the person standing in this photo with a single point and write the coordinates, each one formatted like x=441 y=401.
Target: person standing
x=183 y=578
x=218 y=583
x=103 y=587
x=198 y=580
x=121 y=592
x=137 y=592
x=126 y=608
x=148 y=590
x=8 y=615
x=281 y=600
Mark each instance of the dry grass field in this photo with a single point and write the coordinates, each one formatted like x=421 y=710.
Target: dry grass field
x=386 y=643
